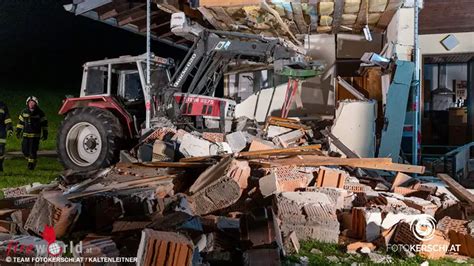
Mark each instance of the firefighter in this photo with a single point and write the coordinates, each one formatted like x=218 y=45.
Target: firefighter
x=6 y=130
x=32 y=126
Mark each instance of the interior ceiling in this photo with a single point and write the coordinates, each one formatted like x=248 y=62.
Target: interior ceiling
x=451 y=58
x=276 y=18
x=446 y=16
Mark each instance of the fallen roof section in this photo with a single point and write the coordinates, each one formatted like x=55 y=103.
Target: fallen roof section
x=130 y=16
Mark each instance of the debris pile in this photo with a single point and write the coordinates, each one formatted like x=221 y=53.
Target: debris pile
x=248 y=197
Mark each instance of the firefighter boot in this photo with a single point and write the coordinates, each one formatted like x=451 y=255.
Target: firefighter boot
x=31 y=166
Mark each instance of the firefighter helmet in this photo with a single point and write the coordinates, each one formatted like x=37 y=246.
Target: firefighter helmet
x=32 y=98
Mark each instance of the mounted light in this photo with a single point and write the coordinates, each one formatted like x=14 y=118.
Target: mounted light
x=367 y=34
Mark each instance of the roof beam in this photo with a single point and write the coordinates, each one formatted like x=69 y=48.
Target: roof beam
x=362 y=16
x=337 y=16
x=117 y=10
x=387 y=15
x=154 y=25
x=227 y=3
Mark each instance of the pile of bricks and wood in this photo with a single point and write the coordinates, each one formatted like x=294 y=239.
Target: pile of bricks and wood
x=248 y=197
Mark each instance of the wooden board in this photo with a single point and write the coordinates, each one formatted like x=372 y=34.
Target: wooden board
x=227 y=3
x=387 y=16
x=457 y=189
x=368 y=163
x=337 y=17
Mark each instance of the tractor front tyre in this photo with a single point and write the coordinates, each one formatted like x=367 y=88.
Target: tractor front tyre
x=89 y=139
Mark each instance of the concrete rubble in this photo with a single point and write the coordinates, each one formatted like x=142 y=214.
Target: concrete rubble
x=248 y=197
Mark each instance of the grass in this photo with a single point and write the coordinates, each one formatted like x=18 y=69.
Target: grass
x=16 y=174
x=345 y=258
x=50 y=101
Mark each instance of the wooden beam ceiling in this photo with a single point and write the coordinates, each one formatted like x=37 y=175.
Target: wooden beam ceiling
x=441 y=16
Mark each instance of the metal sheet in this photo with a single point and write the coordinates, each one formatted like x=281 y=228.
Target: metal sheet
x=395 y=110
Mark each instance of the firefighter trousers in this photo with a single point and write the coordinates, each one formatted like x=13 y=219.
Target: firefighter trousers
x=29 y=147
x=2 y=155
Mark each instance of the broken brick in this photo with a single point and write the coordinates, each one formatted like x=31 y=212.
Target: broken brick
x=164 y=248
x=53 y=209
x=311 y=215
x=328 y=177
x=220 y=186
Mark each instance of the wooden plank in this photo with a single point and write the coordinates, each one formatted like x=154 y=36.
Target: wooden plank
x=351 y=89
x=457 y=189
x=154 y=26
x=350 y=154
x=222 y=15
x=337 y=16
x=368 y=163
x=182 y=164
x=362 y=16
x=387 y=15
x=313 y=13
x=343 y=148
x=299 y=17
x=210 y=16
x=227 y=3
x=275 y=152
x=316 y=147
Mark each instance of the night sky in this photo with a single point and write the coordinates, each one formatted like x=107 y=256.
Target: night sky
x=43 y=46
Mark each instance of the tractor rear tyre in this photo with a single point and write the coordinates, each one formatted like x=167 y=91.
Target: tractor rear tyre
x=89 y=139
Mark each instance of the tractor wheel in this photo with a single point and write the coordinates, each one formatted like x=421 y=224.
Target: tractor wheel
x=89 y=139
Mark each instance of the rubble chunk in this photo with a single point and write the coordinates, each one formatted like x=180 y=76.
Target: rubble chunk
x=163 y=152
x=311 y=215
x=53 y=209
x=269 y=185
x=220 y=186
x=237 y=141
x=192 y=146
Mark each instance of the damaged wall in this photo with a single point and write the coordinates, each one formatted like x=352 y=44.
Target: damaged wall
x=400 y=34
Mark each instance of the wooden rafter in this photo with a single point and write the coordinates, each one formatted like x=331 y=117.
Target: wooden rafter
x=137 y=17
x=118 y=9
x=362 y=16
x=337 y=16
x=387 y=15
x=154 y=25
x=227 y=3
x=313 y=14
x=299 y=17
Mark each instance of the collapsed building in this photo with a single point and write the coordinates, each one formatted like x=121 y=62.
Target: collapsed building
x=248 y=188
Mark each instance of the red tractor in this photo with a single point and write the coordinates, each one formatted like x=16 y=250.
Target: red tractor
x=115 y=106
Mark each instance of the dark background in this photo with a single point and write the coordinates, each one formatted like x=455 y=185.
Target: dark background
x=43 y=46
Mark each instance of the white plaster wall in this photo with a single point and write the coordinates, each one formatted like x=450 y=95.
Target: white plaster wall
x=430 y=44
x=400 y=34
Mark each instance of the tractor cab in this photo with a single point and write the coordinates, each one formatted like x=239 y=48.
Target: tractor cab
x=124 y=79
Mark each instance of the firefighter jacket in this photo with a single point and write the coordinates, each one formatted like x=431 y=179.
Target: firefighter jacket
x=5 y=122
x=32 y=123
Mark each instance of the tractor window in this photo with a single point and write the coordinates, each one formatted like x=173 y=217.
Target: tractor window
x=133 y=87
x=159 y=80
x=96 y=82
